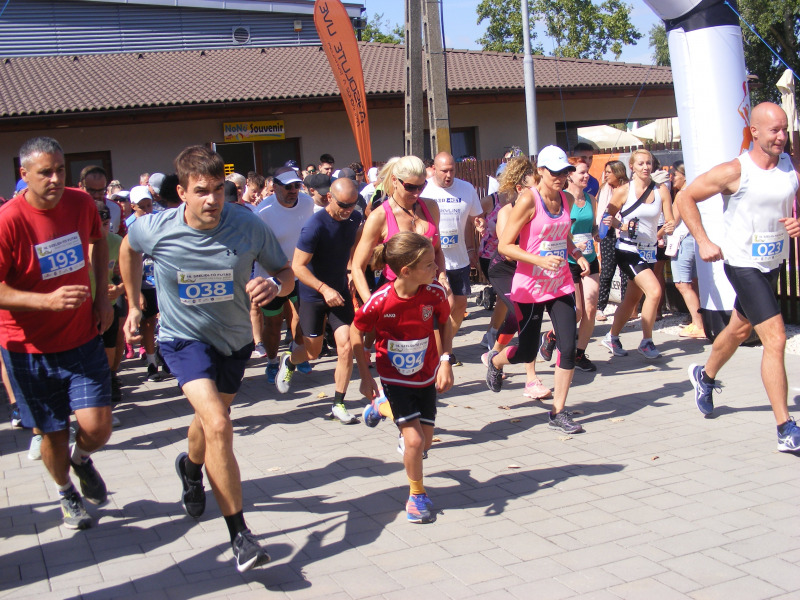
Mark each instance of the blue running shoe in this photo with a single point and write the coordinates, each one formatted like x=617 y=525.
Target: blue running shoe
x=372 y=415
x=702 y=390
x=272 y=371
x=789 y=439
x=305 y=367
x=419 y=509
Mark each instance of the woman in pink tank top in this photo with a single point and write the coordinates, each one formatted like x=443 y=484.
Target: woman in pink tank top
x=403 y=210
x=537 y=236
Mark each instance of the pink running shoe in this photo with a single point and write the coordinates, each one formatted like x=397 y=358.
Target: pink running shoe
x=128 y=350
x=537 y=390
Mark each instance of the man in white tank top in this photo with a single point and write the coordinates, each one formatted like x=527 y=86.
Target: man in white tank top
x=758 y=190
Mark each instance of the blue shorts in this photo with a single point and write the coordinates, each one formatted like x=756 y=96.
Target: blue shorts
x=459 y=281
x=48 y=387
x=684 y=267
x=190 y=360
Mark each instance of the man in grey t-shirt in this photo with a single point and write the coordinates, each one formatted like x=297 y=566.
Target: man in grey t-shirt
x=203 y=254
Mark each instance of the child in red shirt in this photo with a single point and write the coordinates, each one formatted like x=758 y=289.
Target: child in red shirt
x=405 y=314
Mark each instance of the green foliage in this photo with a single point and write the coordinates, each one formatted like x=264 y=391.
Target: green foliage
x=778 y=22
x=581 y=28
x=658 y=42
x=379 y=29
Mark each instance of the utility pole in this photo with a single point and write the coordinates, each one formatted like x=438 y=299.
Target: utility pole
x=413 y=95
x=530 y=86
x=436 y=73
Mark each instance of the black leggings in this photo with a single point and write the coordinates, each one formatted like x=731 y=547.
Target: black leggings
x=562 y=317
x=500 y=276
x=608 y=264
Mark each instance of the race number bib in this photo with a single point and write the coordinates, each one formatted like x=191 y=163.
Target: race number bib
x=149 y=271
x=205 y=287
x=553 y=248
x=647 y=251
x=60 y=256
x=448 y=238
x=767 y=246
x=407 y=356
x=584 y=242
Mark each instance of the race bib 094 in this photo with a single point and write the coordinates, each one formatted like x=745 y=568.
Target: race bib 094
x=407 y=356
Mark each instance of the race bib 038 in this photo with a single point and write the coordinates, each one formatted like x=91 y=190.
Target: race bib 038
x=60 y=256
x=205 y=287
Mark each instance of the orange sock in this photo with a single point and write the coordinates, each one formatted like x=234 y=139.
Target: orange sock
x=386 y=411
x=416 y=487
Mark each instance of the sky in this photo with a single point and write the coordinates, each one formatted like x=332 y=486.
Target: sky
x=461 y=29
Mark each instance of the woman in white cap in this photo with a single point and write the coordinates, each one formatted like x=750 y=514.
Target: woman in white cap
x=537 y=236
x=635 y=208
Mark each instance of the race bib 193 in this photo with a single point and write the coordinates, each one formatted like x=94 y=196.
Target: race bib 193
x=60 y=256
x=553 y=248
x=767 y=246
x=407 y=356
x=205 y=287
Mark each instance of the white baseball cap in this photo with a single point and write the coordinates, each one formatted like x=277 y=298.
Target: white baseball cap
x=139 y=193
x=554 y=159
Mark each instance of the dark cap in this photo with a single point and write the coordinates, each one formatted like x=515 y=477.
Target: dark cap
x=347 y=172
x=231 y=194
x=318 y=181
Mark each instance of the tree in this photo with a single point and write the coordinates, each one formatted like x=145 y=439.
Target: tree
x=377 y=28
x=658 y=42
x=581 y=28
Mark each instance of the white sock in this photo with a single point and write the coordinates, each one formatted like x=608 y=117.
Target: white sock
x=77 y=454
x=273 y=361
x=64 y=488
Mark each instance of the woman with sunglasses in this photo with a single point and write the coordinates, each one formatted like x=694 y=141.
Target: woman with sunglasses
x=639 y=205
x=403 y=210
x=537 y=236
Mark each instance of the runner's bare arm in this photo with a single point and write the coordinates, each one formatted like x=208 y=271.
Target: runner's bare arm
x=67 y=297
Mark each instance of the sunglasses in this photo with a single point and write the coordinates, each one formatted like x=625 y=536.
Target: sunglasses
x=412 y=187
x=561 y=173
x=293 y=186
x=346 y=206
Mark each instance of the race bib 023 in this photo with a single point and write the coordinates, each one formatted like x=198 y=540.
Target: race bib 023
x=205 y=287
x=407 y=356
x=60 y=256
x=767 y=246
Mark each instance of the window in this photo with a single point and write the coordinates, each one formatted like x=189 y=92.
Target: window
x=462 y=142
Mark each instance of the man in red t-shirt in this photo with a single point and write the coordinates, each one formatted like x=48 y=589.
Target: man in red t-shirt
x=50 y=236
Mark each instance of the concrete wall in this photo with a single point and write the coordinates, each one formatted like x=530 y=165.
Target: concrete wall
x=152 y=147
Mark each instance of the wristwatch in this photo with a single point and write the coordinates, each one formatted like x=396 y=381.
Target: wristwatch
x=277 y=283
x=444 y=357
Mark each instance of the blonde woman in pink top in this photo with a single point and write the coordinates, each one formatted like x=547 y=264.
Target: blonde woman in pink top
x=537 y=236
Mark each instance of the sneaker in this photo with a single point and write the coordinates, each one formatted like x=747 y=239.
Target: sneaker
x=454 y=361
x=648 y=350
x=305 y=367
x=536 y=390
x=401 y=447
x=260 y=350
x=563 y=422
x=142 y=353
x=93 y=487
x=494 y=376
x=702 y=391
x=614 y=345
x=583 y=363
x=789 y=440
x=419 y=509
x=272 y=371
x=75 y=515
x=339 y=411
x=547 y=345
x=116 y=389
x=193 y=496
x=128 y=350
x=372 y=415
x=690 y=331
x=152 y=373
x=16 y=417
x=248 y=552
x=283 y=380
x=35 y=450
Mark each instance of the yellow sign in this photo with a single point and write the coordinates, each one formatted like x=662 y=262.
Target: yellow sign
x=229 y=168
x=251 y=131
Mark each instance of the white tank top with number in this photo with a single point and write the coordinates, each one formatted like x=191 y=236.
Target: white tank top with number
x=753 y=235
x=647 y=230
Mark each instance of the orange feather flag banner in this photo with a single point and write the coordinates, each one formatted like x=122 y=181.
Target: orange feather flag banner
x=339 y=42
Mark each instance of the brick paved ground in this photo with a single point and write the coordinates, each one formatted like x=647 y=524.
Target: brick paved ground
x=653 y=501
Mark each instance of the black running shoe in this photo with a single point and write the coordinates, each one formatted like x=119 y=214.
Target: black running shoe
x=193 y=496
x=548 y=345
x=93 y=487
x=583 y=363
x=494 y=376
x=248 y=552
x=116 y=389
x=75 y=515
x=563 y=422
x=454 y=362
x=152 y=373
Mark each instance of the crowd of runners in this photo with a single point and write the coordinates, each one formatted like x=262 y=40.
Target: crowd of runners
x=199 y=272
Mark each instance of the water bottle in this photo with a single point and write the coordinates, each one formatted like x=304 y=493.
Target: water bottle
x=602 y=229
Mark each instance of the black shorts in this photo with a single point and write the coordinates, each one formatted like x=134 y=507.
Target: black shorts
x=575 y=269
x=151 y=303
x=485 y=263
x=631 y=263
x=110 y=334
x=756 y=298
x=409 y=403
x=312 y=316
x=275 y=306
